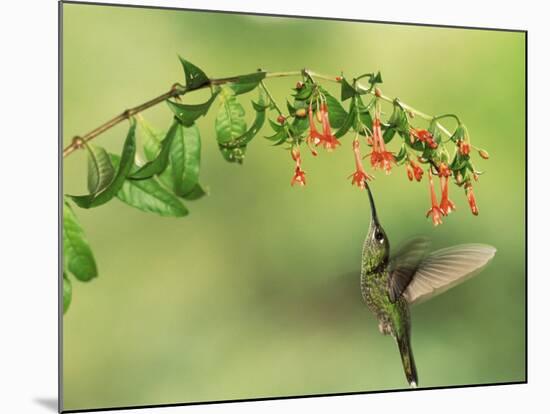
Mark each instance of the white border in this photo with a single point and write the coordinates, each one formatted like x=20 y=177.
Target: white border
x=28 y=96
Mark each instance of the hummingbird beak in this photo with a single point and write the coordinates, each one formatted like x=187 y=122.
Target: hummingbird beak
x=374 y=216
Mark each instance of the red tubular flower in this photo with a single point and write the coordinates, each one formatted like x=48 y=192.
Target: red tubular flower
x=330 y=141
x=444 y=170
x=435 y=211
x=423 y=135
x=471 y=199
x=446 y=204
x=464 y=147
x=414 y=171
x=379 y=157
x=299 y=174
x=410 y=171
x=314 y=136
x=360 y=175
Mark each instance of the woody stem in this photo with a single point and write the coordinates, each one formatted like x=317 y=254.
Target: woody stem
x=177 y=91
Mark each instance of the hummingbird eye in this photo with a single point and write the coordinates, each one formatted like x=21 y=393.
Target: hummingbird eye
x=378 y=235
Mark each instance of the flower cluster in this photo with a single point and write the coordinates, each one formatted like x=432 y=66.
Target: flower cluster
x=422 y=150
x=325 y=139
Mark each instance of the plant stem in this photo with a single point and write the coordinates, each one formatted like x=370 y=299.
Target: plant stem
x=178 y=91
x=271 y=98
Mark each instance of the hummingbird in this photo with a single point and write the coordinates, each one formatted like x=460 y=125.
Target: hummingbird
x=390 y=284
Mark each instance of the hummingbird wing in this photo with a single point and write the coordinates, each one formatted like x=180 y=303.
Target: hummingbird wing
x=404 y=264
x=445 y=268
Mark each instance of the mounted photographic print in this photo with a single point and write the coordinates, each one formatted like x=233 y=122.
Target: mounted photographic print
x=259 y=206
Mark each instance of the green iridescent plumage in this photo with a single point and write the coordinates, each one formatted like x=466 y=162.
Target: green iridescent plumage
x=390 y=284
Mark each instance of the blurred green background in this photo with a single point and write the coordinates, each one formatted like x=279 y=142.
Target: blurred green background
x=250 y=295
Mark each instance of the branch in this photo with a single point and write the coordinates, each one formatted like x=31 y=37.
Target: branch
x=178 y=91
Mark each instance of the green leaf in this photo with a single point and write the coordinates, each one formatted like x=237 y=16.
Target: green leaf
x=196 y=193
x=348 y=123
x=152 y=140
x=388 y=134
x=123 y=170
x=194 y=76
x=188 y=114
x=77 y=255
x=151 y=147
x=158 y=164
x=230 y=123
x=100 y=169
x=299 y=126
x=336 y=113
x=304 y=92
x=398 y=119
x=234 y=150
x=347 y=91
x=436 y=133
x=401 y=155
x=67 y=293
x=247 y=83
x=375 y=78
x=185 y=158
x=458 y=134
x=279 y=137
x=363 y=117
x=149 y=196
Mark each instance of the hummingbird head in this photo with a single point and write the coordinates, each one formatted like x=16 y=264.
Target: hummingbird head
x=376 y=242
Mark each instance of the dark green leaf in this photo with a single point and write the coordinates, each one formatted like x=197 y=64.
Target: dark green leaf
x=279 y=138
x=347 y=91
x=77 y=255
x=348 y=122
x=149 y=196
x=126 y=164
x=336 y=113
x=187 y=114
x=304 y=92
x=100 y=169
x=275 y=126
x=160 y=162
x=247 y=83
x=230 y=123
x=67 y=292
x=291 y=109
x=375 y=78
x=401 y=155
x=194 y=77
x=299 y=126
x=388 y=134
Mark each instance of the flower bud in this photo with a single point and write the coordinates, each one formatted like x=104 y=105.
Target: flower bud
x=377 y=92
x=483 y=154
x=281 y=119
x=301 y=113
x=338 y=79
x=299 y=85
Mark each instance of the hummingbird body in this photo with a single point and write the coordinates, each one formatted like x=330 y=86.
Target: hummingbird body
x=393 y=317
x=390 y=284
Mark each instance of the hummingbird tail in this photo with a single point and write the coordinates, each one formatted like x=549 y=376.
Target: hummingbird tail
x=408 y=361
